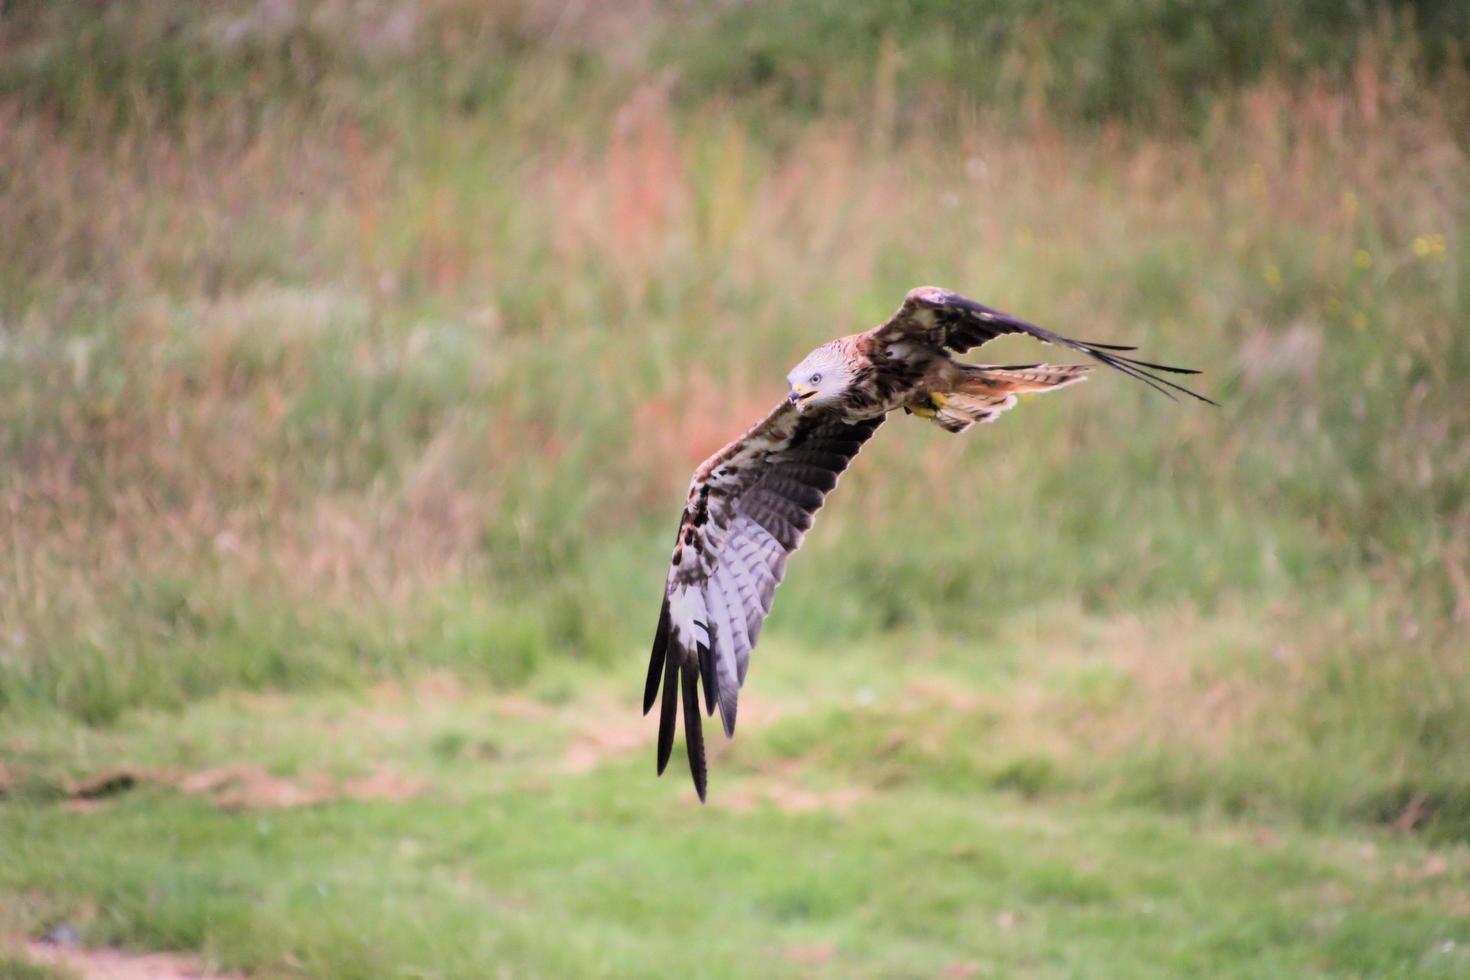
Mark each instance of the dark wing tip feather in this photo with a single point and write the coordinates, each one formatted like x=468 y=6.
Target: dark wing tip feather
x=707 y=671
x=694 y=731
x=1143 y=371
x=656 y=659
x=1158 y=367
x=667 y=711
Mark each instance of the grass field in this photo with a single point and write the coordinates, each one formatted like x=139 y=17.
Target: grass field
x=902 y=822
x=353 y=360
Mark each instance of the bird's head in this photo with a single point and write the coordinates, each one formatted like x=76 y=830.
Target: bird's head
x=820 y=378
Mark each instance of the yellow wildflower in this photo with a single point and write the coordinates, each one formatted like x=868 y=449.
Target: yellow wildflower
x=1430 y=246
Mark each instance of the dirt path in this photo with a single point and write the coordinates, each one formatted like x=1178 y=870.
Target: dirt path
x=121 y=964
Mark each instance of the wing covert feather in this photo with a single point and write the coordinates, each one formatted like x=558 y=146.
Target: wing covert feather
x=749 y=506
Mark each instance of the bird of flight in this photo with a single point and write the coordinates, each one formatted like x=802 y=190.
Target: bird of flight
x=750 y=503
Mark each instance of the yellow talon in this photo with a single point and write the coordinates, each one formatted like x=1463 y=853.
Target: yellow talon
x=923 y=411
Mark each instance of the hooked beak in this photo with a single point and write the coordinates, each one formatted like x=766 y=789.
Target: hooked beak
x=800 y=393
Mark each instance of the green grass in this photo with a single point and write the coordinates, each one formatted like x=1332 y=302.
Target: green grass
x=511 y=861
x=16 y=967
x=1163 y=64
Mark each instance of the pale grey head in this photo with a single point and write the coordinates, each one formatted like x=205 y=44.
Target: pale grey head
x=820 y=378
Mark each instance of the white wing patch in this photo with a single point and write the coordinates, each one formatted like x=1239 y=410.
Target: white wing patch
x=689 y=616
x=749 y=507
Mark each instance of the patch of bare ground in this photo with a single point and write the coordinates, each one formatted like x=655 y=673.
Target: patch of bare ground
x=107 y=963
x=242 y=786
x=614 y=731
x=522 y=708
x=433 y=687
x=591 y=746
x=810 y=954
x=781 y=787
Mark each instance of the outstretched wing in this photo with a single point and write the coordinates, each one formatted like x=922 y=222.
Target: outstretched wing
x=945 y=319
x=749 y=506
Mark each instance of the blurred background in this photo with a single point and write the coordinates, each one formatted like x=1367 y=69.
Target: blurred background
x=354 y=357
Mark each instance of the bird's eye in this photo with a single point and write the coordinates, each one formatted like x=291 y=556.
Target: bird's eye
x=816 y=379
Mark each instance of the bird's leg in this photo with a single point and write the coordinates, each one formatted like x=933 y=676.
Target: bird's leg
x=928 y=406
